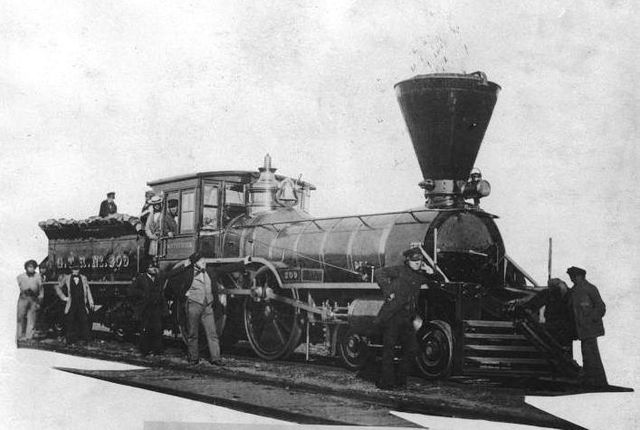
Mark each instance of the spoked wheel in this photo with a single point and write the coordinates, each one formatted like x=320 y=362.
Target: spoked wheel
x=58 y=328
x=123 y=334
x=435 y=350
x=121 y=320
x=273 y=327
x=353 y=349
x=54 y=318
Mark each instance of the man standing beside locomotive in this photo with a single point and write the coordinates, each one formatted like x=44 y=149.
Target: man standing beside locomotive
x=31 y=295
x=151 y=307
x=74 y=290
x=200 y=288
x=400 y=287
x=588 y=310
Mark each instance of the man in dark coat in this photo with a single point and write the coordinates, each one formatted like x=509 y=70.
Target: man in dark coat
x=400 y=287
x=196 y=288
x=75 y=291
x=588 y=310
x=558 y=314
x=169 y=222
x=108 y=206
x=146 y=290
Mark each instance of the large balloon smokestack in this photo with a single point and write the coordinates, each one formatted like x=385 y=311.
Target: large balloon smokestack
x=447 y=115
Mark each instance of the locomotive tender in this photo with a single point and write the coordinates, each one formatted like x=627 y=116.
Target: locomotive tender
x=313 y=279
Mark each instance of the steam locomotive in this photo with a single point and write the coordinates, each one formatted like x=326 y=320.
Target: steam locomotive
x=312 y=280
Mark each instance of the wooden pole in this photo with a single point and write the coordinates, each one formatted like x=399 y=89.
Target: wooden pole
x=550 y=256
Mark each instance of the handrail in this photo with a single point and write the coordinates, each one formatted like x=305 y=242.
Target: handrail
x=412 y=212
x=521 y=270
x=433 y=265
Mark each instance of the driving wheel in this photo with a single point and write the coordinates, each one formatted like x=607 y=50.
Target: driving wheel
x=273 y=327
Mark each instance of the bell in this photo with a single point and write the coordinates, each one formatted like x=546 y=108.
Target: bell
x=286 y=194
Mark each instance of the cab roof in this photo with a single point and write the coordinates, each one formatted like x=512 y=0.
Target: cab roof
x=246 y=176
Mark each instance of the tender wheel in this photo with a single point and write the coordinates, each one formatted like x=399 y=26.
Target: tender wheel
x=233 y=329
x=435 y=350
x=58 y=328
x=52 y=316
x=353 y=349
x=121 y=321
x=123 y=334
x=273 y=328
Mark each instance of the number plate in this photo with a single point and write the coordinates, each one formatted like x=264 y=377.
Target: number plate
x=301 y=275
x=290 y=275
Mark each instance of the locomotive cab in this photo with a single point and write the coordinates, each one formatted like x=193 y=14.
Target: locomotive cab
x=204 y=204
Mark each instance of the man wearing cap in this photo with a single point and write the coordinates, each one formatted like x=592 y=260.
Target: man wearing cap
x=400 y=287
x=153 y=226
x=151 y=306
x=588 y=310
x=108 y=206
x=31 y=295
x=170 y=224
x=74 y=290
x=199 y=286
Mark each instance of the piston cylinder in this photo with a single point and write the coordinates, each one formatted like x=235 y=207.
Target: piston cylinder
x=362 y=313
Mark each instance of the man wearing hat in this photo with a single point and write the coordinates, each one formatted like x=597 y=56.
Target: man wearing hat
x=588 y=310
x=400 y=287
x=151 y=306
x=153 y=226
x=74 y=290
x=197 y=290
x=170 y=222
x=108 y=206
x=31 y=295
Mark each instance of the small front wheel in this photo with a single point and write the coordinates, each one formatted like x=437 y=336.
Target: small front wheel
x=353 y=348
x=435 y=350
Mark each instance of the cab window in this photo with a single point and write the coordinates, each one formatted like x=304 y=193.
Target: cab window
x=187 y=211
x=234 y=198
x=210 y=207
x=172 y=206
x=234 y=194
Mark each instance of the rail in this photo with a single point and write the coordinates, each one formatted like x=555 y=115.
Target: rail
x=520 y=269
x=52 y=283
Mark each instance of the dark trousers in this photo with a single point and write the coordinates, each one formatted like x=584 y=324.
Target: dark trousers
x=77 y=324
x=399 y=329
x=151 y=332
x=594 y=373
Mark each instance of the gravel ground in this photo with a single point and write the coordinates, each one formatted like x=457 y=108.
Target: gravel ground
x=480 y=398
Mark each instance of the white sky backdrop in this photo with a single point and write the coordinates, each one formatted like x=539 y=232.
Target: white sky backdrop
x=100 y=96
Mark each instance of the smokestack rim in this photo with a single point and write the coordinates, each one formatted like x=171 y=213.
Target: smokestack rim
x=461 y=80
